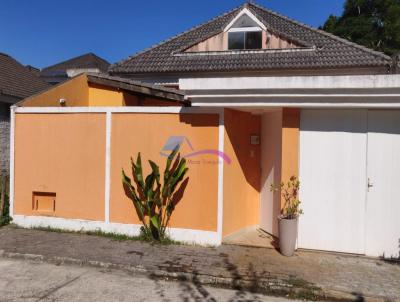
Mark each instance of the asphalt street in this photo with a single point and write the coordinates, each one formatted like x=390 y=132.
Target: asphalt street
x=25 y=280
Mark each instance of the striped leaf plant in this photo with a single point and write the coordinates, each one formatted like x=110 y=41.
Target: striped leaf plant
x=155 y=197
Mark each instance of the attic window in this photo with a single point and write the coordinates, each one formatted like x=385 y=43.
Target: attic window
x=244 y=40
x=245 y=31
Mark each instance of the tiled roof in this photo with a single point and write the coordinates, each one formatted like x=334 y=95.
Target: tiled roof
x=321 y=50
x=16 y=80
x=89 y=60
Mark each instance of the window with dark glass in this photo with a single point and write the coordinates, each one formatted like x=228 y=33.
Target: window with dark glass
x=236 y=40
x=244 y=40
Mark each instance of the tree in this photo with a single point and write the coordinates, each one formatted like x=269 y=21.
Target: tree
x=372 y=23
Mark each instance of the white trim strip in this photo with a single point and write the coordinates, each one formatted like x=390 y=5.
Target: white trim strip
x=244 y=29
x=133 y=109
x=12 y=159
x=107 y=166
x=183 y=235
x=368 y=82
x=260 y=105
x=221 y=138
x=245 y=11
x=296 y=96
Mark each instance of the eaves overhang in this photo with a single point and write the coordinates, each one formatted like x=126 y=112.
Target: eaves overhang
x=353 y=91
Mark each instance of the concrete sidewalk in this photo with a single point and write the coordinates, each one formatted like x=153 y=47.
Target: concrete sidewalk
x=308 y=275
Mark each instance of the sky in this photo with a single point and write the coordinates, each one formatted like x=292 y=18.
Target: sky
x=45 y=32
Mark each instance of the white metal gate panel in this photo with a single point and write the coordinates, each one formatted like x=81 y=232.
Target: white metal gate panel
x=383 y=198
x=332 y=173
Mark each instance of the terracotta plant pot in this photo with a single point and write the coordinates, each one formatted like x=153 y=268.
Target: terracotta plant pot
x=287 y=235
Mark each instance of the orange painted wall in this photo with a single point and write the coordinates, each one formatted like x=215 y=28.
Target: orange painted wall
x=290 y=143
x=64 y=154
x=148 y=133
x=74 y=91
x=242 y=176
x=78 y=92
x=100 y=95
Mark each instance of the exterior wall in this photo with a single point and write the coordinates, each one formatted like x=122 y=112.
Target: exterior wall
x=242 y=176
x=247 y=198
x=147 y=133
x=65 y=154
x=130 y=99
x=219 y=42
x=76 y=156
x=79 y=93
x=272 y=41
x=100 y=95
x=75 y=92
x=173 y=78
x=215 y=43
x=62 y=154
x=271 y=161
x=290 y=143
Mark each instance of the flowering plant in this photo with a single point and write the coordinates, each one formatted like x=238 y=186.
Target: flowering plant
x=290 y=194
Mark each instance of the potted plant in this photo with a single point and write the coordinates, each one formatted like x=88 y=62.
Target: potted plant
x=288 y=219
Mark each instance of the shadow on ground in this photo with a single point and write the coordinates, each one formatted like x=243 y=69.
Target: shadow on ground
x=248 y=284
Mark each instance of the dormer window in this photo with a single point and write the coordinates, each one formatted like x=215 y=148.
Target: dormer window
x=245 y=31
x=244 y=38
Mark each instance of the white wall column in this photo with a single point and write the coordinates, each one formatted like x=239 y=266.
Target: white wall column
x=107 y=167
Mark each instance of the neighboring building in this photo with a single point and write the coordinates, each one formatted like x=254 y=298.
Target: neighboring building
x=34 y=70
x=269 y=98
x=62 y=71
x=16 y=83
x=102 y=90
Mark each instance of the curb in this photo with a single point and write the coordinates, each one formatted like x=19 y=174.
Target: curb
x=276 y=286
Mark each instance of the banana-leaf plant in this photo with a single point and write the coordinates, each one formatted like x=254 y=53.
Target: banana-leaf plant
x=155 y=199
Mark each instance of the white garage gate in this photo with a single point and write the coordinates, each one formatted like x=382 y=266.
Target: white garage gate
x=350 y=174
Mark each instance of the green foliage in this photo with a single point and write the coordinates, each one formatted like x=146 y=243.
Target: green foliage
x=290 y=193
x=372 y=23
x=155 y=201
x=112 y=236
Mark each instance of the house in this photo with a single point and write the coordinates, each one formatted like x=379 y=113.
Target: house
x=60 y=72
x=16 y=83
x=265 y=98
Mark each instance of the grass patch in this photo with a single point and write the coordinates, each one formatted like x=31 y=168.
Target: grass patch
x=112 y=236
x=303 y=290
